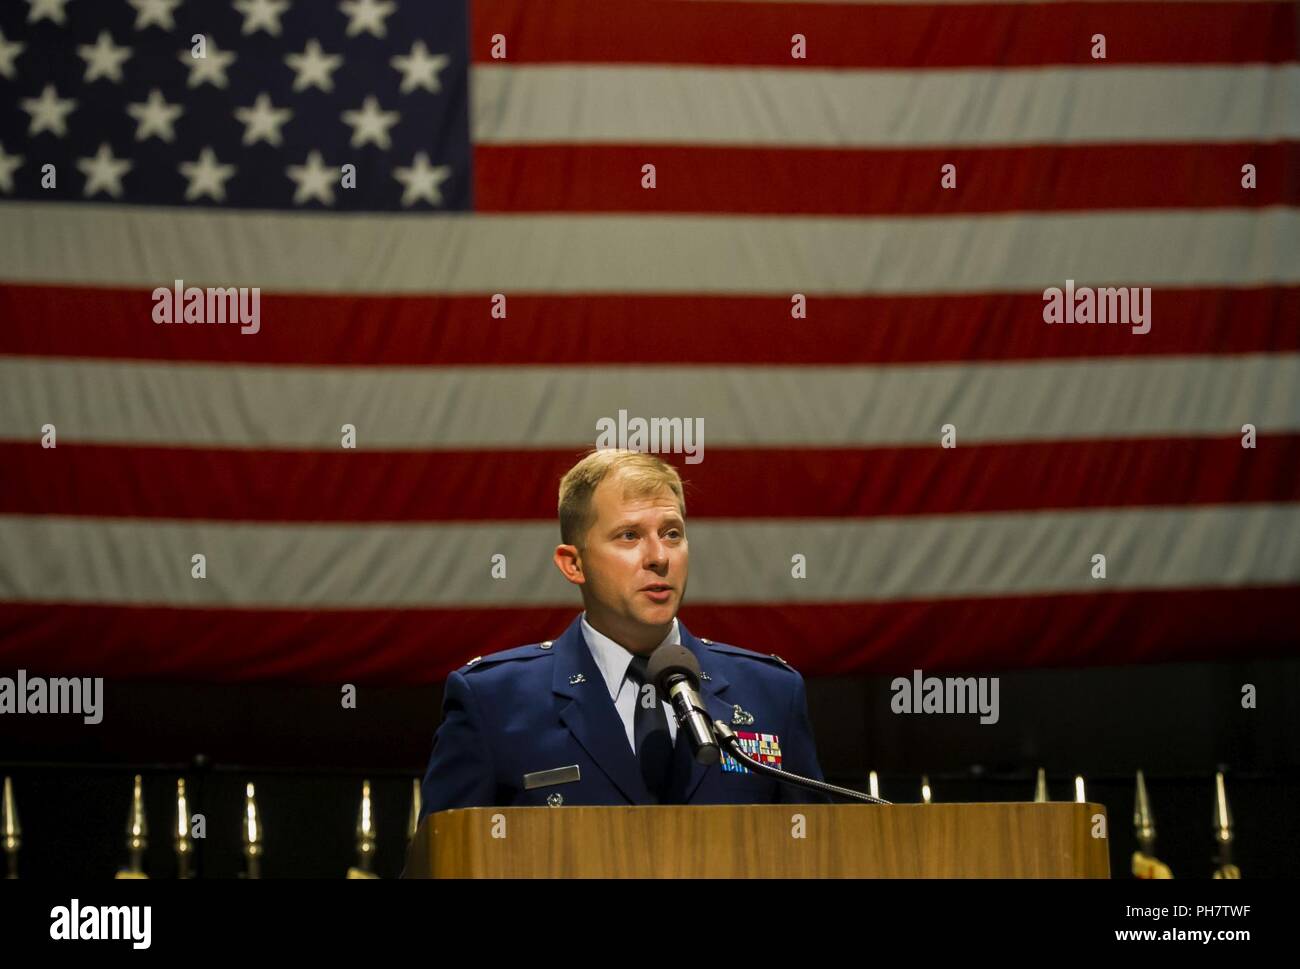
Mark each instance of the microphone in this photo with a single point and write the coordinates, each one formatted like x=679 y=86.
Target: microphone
x=675 y=672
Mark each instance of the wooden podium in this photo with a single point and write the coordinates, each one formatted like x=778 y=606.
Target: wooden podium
x=1004 y=840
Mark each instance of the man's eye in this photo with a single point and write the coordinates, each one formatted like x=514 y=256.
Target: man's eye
x=627 y=533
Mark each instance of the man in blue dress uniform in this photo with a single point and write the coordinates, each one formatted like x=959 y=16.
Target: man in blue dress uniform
x=571 y=720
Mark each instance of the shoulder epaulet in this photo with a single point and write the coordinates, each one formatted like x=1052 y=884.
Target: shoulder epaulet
x=531 y=651
x=741 y=651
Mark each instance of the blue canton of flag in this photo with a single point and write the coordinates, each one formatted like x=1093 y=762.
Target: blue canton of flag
x=283 y=96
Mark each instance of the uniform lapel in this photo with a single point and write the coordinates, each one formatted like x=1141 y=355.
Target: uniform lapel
x=589 y=713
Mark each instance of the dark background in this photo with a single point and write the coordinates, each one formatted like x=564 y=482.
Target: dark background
x=307 y=757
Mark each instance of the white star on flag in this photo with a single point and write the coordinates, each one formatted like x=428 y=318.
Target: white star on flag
x=370 y=123
x=210 y=68
x=262 y=15
x=419 y=69
x=367 y=16
x=314 y=180
x=9 y=51
x=104 y=172
x=47 y=8
x=422 y=180
x=154 y=117
x=49 y=112
x=8 y=164
x=206 y=176
x=313 y=66
x=155 y=12
x=262 y=121
x=103 y=58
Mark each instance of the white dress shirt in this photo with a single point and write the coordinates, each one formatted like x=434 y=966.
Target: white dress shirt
x=613 y=661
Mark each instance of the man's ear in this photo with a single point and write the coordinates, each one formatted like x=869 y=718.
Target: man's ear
x=568 y=560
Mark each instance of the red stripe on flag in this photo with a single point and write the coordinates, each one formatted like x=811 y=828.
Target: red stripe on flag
x=423 y=645
x=607 y=178
x=885 y=35
x=632 y=329
x=376 y=486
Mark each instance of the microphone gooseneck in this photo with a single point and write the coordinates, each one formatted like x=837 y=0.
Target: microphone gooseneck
x=728 y=738
x=675 y=672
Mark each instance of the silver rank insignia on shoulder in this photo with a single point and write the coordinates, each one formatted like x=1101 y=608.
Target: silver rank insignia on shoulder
x=474 y=660
x=545 y=645
x=577 y=678
x=705 y=676
x=706 y=642
x=740 y=717
x=781 y=661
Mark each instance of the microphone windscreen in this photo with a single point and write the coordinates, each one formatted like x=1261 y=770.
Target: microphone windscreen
x=670 y=659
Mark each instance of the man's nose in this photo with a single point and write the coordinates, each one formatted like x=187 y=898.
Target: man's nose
x=656 y=553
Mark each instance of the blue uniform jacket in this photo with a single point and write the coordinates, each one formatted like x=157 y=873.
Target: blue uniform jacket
x=545 y=706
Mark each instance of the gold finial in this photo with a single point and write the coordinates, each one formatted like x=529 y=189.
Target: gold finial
x=366 y=821
x=182 y=841
x=365 y=836
x=11 y=831
x=1040 y=788
x=925 y=789
x=873 y=784
x=1222 y=816
x=137 y=834
x=413 y=823
x=1223 y=835
x=1144 y=822
x=1079 y=796
x=365 y=829
x=1145 y=864
x=252 y=834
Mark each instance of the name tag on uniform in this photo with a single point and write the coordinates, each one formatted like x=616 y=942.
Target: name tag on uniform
x=548 y=778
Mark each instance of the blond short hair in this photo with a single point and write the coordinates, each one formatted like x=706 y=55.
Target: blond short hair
x=643 y=474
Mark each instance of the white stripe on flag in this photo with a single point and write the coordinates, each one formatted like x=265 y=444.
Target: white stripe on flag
x=329 y=253
x=842 y=108
x=546 y=407
x=55 y=559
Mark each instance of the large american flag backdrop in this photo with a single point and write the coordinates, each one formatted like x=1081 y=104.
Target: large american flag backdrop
x=499 y=148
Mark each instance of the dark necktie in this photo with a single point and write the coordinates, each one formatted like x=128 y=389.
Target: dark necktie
x=654 y=744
